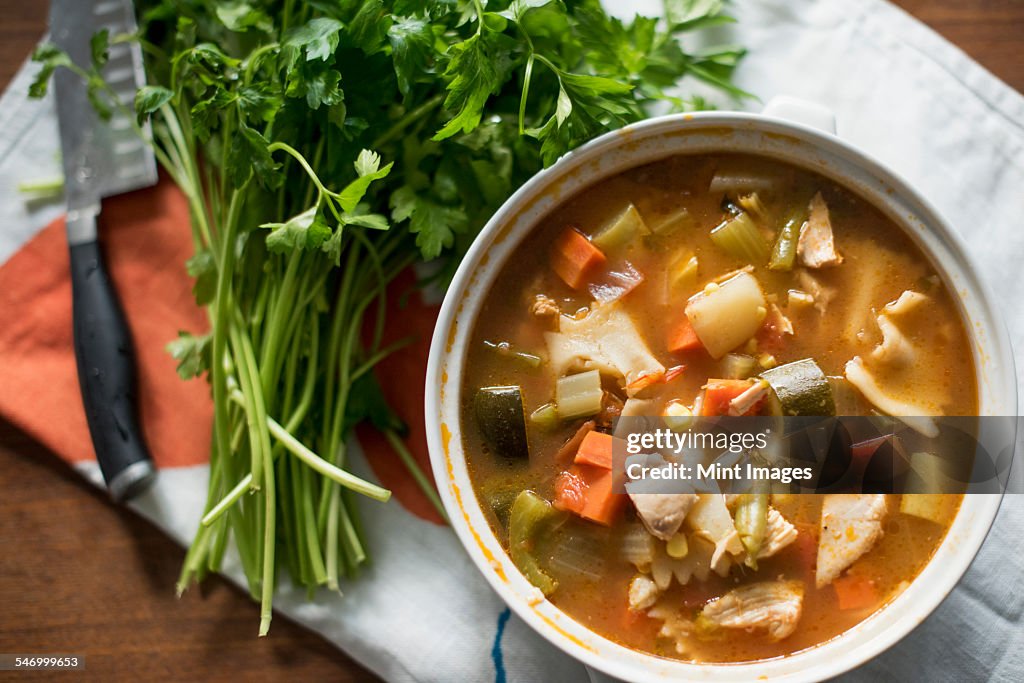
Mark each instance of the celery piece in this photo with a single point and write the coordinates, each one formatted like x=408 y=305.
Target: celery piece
x=784 y=251
x=752 y=204
x=674 y=222
x=546 y=416
x=579 y=395
x=530 y=515
x=751 y=522
x=621 y=230
x=738 y=366
x=682 y=274
x=740 y=238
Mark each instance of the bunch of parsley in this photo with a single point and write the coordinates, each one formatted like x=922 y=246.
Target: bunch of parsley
x=324 y=147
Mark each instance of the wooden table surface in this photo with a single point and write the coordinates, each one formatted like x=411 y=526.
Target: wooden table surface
x=80 y=575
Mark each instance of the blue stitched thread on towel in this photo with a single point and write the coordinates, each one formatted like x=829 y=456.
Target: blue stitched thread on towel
x=496 y=657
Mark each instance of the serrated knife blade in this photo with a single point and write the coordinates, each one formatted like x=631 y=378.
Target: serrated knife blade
x=102 y=158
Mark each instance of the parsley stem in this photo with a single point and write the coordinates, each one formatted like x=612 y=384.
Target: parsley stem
x=262 y=466
x=478 y=6
x=425 y=484
x=220 y=508
x=411 y=117
x=314 y=461
x=335 y=474
x=252 y=61
x=219 y=345
x=274 y=147
x=527 y=74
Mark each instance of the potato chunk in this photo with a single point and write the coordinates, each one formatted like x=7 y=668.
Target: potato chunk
x=726 y=315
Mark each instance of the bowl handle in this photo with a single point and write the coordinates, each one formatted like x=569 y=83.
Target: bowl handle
x=801 y=111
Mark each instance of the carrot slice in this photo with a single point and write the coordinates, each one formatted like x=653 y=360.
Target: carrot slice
x=718 y=393
x=602 y=504
x=684 y=338
x=854 y=591
x=575 y=259
x=588 y=491
x=596 y=450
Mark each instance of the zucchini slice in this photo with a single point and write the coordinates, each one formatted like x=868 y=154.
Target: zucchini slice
x=502 y=420
x=801 y=388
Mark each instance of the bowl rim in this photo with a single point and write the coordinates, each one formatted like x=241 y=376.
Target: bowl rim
x=968 y=531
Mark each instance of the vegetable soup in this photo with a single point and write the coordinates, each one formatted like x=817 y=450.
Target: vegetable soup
x=707 y=285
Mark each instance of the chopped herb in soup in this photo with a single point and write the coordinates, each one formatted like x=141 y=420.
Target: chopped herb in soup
x=708 y=285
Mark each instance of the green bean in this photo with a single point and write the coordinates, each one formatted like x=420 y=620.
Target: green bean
x=784 y=251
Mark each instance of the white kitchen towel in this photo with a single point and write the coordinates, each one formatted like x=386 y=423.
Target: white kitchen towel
x=901 y=93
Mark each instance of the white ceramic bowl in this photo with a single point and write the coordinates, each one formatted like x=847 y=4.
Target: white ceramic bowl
x=794 y=132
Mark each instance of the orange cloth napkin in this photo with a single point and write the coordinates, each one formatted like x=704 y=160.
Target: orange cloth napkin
x=146 y=240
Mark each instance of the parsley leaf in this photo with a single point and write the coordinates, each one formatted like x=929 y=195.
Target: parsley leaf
x=192 y=354
x=318 y=39
x=474 y=78
x=307 y=230
x=249 y=155
x=149 y=98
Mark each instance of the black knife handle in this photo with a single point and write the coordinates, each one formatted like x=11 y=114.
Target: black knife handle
x=106 y=375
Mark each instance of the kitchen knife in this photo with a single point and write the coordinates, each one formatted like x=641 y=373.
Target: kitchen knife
x=102 y=158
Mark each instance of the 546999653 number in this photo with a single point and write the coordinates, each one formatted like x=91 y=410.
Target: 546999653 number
x=41 y=662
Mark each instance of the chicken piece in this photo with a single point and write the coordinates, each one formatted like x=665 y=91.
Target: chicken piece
x=778 y=534
x=676 y=626
x=544 y=307
x=742 y=404
x=773 y=607
x=816 y=247
x=643 y=593
x=822 y=294
x=851 y=524
x=778 y=321
x=662 y=513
